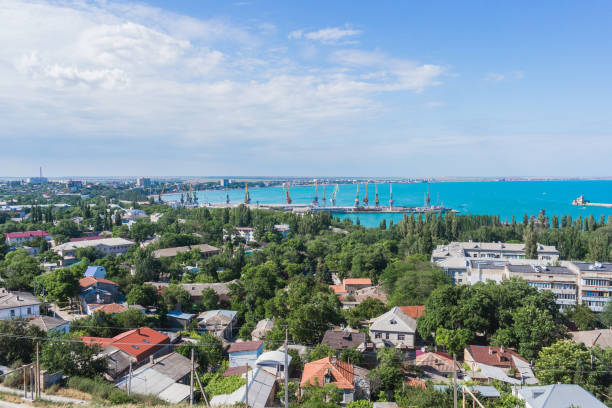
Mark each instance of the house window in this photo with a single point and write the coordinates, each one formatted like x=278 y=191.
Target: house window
x=12 y=313
x=400 y=337
x=378 y=335
x=387 y=336
x=29 y=310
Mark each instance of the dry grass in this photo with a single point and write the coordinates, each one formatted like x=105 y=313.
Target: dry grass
x=71 y=393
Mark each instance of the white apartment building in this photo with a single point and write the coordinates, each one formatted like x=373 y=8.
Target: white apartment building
x=112 y=246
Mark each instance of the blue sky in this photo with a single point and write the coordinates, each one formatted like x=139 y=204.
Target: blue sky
x=314 y=88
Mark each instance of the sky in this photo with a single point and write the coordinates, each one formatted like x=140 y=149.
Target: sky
x=305 y=88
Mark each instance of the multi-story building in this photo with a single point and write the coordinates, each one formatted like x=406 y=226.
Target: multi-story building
x=143 y=182
x=108 y=246
x=561 y=280
x=595 y=284
x=491 y=250
x=16 y=238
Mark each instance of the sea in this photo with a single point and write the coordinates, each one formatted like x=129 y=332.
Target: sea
x=503 y=198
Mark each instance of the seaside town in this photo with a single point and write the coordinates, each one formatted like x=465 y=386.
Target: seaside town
x=121 y=297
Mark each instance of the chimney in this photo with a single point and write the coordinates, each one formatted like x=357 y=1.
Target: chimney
x=501 y=349
x=138 y=331
x=151 y=359
x=490 y=351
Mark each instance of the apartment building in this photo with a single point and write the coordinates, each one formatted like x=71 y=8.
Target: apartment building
x=595 y=283
x=491 y=250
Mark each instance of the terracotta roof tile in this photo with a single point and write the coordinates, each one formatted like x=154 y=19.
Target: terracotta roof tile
x=413 y=311
x=493 y=356
x=342 y=373
x=90 y=280
x=338 y=289
x=357 y=281
x=140 y=343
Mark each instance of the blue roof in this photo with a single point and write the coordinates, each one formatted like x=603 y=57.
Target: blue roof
x=179 y=315
x=92 y=270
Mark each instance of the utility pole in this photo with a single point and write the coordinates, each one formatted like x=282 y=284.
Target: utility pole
x=286 y=368
x=191 y=381
x=25 y=389
x=454 y=380
x=246 y=394
x=38 y=387
x=129 y=387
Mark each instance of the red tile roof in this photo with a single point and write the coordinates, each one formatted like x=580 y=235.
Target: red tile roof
x=342 y=373
x=493 y=356
x=111 y=308
x=140 y=343
x=90 y=280
x=415 y=382
x=245 y=346
x=27 y=234
x=338 y=289
x=413 y=311
x=357 y=281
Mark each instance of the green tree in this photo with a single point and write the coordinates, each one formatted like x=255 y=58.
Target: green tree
x=71 y=356
x=176 y=298
x=143 y=295
x=321 y=351
x=454 y=341
x=605 y=317
x=210 y=300
x=582 y=316
x=61 y=284
x=531 y=246
x=208 y=351
x=19 y=270
x=351 y=355
x=17 y=343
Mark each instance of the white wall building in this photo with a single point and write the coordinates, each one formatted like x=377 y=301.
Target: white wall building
x=18 y=305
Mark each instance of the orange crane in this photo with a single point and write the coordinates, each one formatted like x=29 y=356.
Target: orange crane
x=247 y=197
x=365 y=199
x=323 y=195
x=194 y=197
x=376 y=201
x=286 y=191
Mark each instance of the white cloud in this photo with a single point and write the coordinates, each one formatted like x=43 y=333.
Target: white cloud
x=330 y=35
x=499 y=77
x=435 y=104
x=139 y=73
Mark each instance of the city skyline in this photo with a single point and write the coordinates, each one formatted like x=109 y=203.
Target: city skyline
x=288 y=88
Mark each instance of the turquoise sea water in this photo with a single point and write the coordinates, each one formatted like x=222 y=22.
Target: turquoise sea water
x=503 y=198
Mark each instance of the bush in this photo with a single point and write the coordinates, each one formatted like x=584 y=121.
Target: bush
x=219 y=385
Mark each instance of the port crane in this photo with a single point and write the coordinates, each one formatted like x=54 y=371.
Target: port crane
x=334 y=194
x=376 y=201
x=427 y=199
x=365 y=199
x=323 y=195
x=357 y=197
x=247 y=197
x=390 y=195
x=159 y=197
x=286 y=193
x=227 y=200
x=315 y=202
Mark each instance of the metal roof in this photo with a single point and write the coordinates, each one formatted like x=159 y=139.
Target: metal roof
x=558 y=396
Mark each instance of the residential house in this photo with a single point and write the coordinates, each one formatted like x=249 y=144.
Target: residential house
x=557 y=396
x=166 y=377
x=436 y=364
x=96 y=291
x=329 y=370
x=394 y=328
x=18 y=305
x=109 y=308
x=342 y=339
x=595 y=284
x=139 y=344
x=178 y=320
x=498 y=363
x=246 y=233
x=95 y=272
x=274 y=361
x=590 y=338
x=205 y=249
x=218 y=322
x=245 y=352
x=51 y=324
x=262 y=328
x=18 y=238
x=352 y=285
x=283 y=229
x=108 y=246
